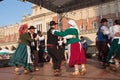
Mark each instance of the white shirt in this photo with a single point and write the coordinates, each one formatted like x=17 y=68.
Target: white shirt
x=40 y=37
x=114 y=29
x=105 y=30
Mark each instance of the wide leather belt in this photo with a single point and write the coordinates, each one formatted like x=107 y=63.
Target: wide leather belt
x=51 y=45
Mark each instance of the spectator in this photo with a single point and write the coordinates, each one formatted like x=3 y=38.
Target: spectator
x=84 y=43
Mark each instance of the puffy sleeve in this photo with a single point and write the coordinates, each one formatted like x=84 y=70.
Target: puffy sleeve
x=105 y=30
x=116 y=29
x=68 y=36
x=60 y=33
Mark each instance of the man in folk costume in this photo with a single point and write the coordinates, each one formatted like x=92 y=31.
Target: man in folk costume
x=102 y=41
x=52 y=47
x=41 y=47
x=33 y=47
x=62 y=48
x=114 y=50
x=75 y=49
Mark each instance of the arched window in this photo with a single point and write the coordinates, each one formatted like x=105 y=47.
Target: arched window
x=95 y=25
x=110 y=22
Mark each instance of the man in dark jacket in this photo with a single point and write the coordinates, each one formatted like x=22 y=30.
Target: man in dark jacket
x=41 y=46
x=34 y=47
x=52 y=47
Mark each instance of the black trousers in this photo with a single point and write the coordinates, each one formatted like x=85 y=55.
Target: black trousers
x=34 y=56
x=102 y=50
x=40 y=56
x=35 y=59
x=55 y=55
x=62 y=51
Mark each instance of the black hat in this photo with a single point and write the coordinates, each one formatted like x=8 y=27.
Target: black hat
x=103 y=20
x=81 y=37
x=38 y=31
x=53 y=23
x=31 y=27
x=117 y=22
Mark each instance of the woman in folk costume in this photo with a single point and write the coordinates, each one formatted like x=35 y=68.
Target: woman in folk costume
x=22 y=55
x=75 y=49
x=114 y=50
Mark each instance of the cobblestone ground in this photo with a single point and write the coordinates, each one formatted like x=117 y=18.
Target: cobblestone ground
x=94 y=72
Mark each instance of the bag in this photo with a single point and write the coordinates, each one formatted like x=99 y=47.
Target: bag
x=85 y=45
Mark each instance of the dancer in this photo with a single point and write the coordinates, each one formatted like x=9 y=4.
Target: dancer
x=22 y=55
x=75 y=49
x=52 y=47
x=114 y=50
x=102 y=41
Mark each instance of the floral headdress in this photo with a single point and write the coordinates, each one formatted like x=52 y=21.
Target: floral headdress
x=23 y=28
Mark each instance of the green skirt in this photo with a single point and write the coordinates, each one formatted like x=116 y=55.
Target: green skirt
x=114 y=50
x=19 y=58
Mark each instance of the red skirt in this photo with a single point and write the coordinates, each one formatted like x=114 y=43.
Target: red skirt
x=77 y=55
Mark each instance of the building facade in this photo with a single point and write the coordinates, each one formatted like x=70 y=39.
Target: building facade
x=9 y=36
x=88 y=20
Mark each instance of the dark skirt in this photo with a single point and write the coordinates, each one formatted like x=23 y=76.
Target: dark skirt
x=19 y=58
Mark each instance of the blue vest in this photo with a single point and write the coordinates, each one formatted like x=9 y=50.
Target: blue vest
x=101 y=36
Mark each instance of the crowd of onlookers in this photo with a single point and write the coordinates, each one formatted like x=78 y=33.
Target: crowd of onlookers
x=5 y=56
x=5 y=53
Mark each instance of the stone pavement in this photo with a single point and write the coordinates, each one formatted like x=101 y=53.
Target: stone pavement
x=94 y=72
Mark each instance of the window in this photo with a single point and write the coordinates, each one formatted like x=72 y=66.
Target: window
x=110 y=22
x=81 y=27
x=95 y=25
x=39 y=27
